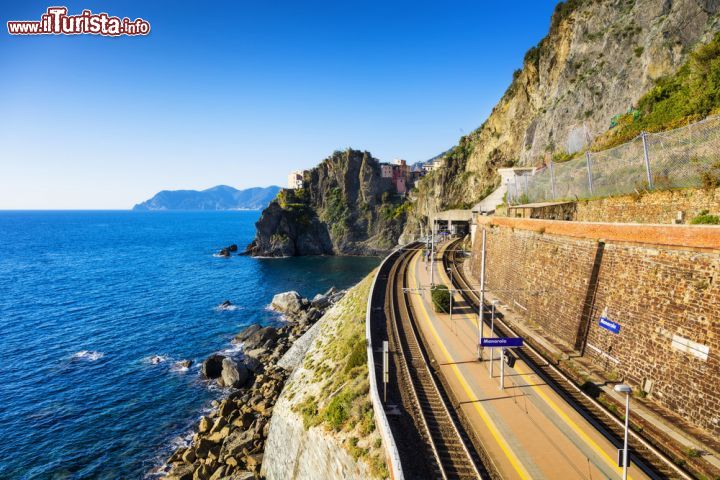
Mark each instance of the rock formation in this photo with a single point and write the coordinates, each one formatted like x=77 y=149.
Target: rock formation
x=345 y=207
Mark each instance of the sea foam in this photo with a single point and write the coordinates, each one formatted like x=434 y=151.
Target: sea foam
x=89 y=355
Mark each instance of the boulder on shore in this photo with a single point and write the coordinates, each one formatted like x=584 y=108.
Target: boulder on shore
x=320 y=302
x=263 y=337
x=253 y=358
x=212 y=367
x=289 y=303
x=247 y=333
x=234 y=374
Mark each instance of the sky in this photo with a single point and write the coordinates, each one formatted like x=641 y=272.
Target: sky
x=241 y=93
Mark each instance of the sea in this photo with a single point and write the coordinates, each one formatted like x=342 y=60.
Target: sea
x=96 y=308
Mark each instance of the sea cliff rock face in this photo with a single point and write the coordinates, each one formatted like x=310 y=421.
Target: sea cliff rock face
x=345 y=207
x=289 y=230
x=597 y=60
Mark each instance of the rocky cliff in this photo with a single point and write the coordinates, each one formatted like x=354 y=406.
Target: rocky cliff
x=598 y=59
x=345 y=207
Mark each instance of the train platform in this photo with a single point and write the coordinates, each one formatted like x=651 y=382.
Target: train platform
x=527 y=429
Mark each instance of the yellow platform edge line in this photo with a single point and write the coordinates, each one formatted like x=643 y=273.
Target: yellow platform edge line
x=507 y=450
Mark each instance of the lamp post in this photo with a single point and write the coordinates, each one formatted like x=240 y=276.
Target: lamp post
x=449 y=271
x=432 y=254
x=482 y=298
x=492 y=334
x=622 y=388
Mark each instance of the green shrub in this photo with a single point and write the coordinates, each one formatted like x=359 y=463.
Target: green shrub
x=338 y=410
x=440 y=298
x=358 y=355
x=337 y=211
x=378 y=467
x=309 y=412
x=704 y=218
x=367 y=422
x=710 y=179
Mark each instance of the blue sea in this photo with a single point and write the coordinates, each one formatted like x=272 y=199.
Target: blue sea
x=88 y=298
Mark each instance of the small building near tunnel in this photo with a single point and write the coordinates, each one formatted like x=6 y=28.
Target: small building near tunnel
x=455 y=222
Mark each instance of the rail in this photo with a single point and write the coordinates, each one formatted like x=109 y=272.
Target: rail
x=448 y=444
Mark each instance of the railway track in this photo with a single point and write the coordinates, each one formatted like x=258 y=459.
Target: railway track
x=651 y=460
x=453 y=455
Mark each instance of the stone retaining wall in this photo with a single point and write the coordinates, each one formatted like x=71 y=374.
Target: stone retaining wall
x=655 y=207
x=666 y=297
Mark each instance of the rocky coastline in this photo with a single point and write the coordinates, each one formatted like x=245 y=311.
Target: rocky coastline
x=229 y=443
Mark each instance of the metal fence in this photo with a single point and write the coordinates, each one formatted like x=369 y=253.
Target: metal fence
x=685 y=157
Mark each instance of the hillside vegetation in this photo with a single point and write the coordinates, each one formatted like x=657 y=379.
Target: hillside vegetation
x=690 y=94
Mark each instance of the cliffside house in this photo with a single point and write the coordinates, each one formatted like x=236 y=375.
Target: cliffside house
x=434 y=165
x=398 y=171
x=295 y=179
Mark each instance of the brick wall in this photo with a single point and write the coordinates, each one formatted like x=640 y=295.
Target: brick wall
x=550 y=289
x=657 y=293
x=655 y=207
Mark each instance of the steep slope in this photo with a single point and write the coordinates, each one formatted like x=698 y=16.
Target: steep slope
x=345 y=207
x=322 y=424
x=598 y=59
x=220 y=197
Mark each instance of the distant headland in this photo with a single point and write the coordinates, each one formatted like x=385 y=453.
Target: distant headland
x=221 y=197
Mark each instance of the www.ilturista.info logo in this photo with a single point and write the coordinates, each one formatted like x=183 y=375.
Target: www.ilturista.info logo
x=56 y=21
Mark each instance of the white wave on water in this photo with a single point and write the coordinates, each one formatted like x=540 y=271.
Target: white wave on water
x=89 y=355
x=156 y=359
x=232 y=350
x=226 y=308
x=178 y=367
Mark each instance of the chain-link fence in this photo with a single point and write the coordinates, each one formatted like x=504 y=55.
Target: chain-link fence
x=685 y=157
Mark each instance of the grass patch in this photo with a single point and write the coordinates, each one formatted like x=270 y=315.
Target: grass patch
x=357 y=356
x=704 y=218
x=309 y=412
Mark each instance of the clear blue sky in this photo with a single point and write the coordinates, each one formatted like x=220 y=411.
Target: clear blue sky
x=240 y=93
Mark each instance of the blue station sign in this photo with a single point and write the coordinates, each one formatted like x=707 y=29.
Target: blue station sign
x=608 y=324
x=508 y=342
